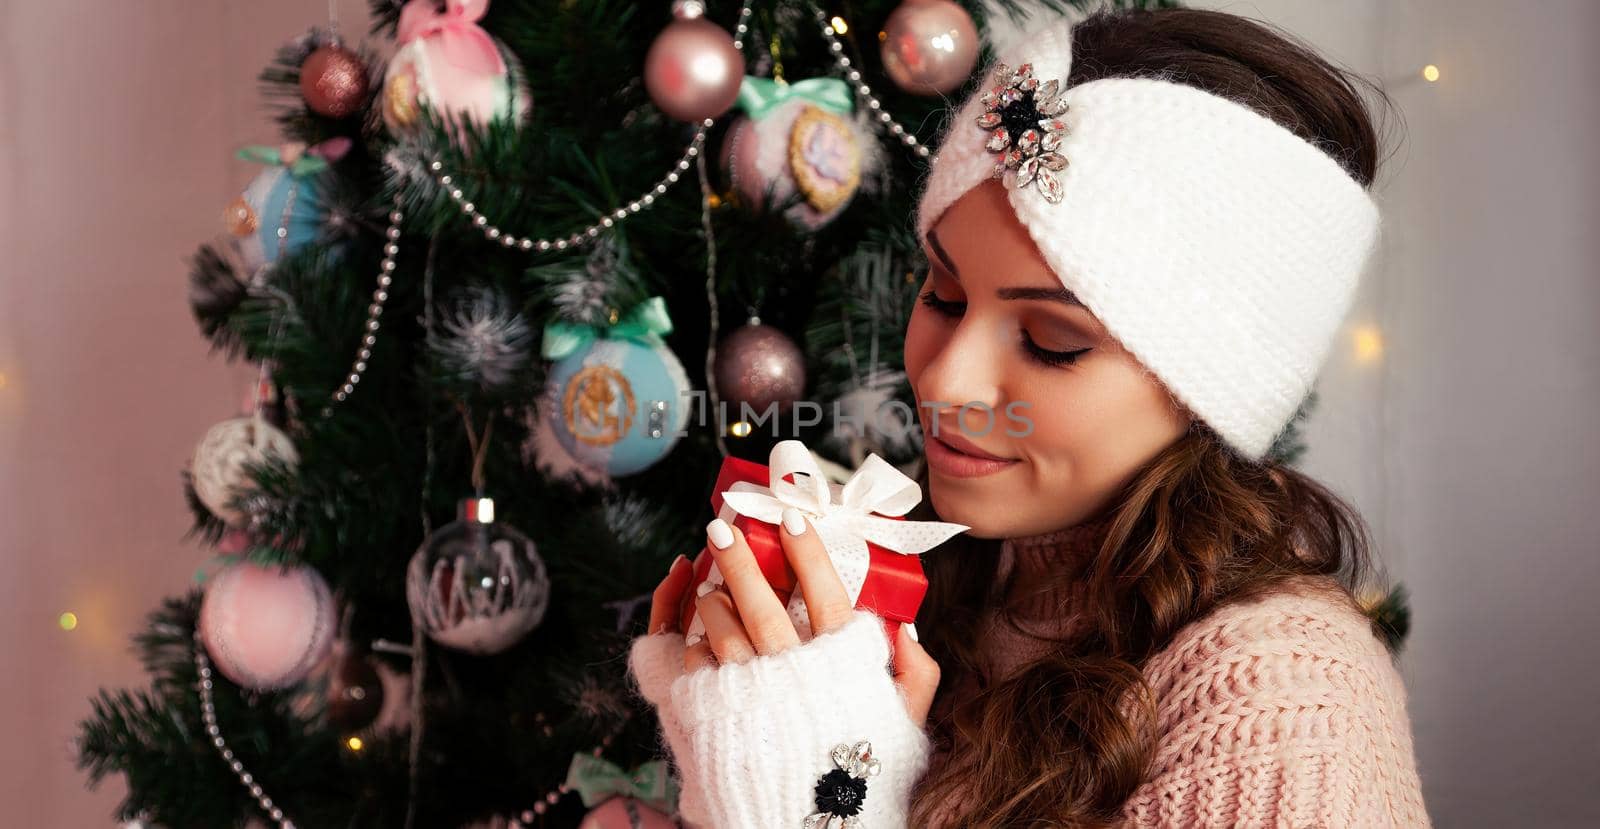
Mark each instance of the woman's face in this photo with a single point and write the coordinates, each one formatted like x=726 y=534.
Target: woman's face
x=1033 y=417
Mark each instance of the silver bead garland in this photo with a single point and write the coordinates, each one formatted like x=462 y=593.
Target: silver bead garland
x=208 y=714
x=495 y=233
x=380 y=295
x=863 y=90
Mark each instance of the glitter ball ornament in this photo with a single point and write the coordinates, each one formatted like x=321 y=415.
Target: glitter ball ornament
x=693 y=70
x=266 y=627
x=760 y=367
x=355 y=691
x=618 y=404
x=333 y=81
x=477 y=584
x=929 y=47
x=445 y=62
x=219 y=468
x=796 y=147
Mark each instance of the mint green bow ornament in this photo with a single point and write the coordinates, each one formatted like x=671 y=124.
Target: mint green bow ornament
x=759 y=96
x=646 y=322
x=596 y=781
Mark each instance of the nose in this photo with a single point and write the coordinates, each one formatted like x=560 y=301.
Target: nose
x=966 y=371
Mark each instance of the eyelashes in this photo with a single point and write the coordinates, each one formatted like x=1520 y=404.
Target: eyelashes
x=943 y=306
x=1048 y=357
x=1045 y=356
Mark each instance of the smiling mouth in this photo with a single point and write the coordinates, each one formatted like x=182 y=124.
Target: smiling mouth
x=952 y=455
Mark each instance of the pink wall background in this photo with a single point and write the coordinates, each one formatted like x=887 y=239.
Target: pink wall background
x=116 y=138
x=1466 y=444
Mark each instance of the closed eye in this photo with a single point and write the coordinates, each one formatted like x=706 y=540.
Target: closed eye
x=1048 y=357
x=949 y=308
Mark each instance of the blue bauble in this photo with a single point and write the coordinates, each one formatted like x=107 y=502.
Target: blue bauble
x=276 y=199
x=618 y=404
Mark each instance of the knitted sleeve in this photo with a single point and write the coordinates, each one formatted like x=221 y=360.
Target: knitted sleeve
x=1285 y=711
x=755 y=742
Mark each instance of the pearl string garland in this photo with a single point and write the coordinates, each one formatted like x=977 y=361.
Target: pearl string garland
x=208 y=713
x=861 y=88
x=495 y=233
x=380 y=295
x=554 y=796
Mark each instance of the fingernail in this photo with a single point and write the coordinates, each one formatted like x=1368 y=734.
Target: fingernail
x=704 y=588
x=720 y=533
x=661 y=628
x=677 y=562
x=911 y=631
x=693 y=639
x=794 y=521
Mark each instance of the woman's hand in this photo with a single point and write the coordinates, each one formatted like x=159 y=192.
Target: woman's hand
x=746 y=618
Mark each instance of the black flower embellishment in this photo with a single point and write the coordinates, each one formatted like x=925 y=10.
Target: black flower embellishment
x=1023 y=116
x=842 y=791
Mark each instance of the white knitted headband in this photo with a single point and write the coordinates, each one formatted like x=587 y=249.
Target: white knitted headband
x=1221 y=249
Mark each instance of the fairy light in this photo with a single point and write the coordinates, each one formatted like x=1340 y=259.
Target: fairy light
x=1430 y=73
x=740 y=429
x=839 y=26
x=354 y=744
x=1368 y=342
x=68 y=621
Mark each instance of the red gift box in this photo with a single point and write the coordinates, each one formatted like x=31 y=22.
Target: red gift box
x=895 y=582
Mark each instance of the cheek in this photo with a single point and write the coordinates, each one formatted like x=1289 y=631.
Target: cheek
x=1096 y=428
x=921 y=343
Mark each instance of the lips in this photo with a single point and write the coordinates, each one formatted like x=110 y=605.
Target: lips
x=954 y=439
x=954 y=456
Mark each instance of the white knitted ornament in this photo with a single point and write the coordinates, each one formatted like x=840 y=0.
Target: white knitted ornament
x=1221 y=249
x=220 y=467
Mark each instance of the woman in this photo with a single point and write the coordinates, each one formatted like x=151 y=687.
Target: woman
x=1142 y=235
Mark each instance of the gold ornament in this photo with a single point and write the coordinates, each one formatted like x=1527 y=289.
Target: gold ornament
x=825 y=159
x=400 y=99
x=597 y=406
x=239 y=218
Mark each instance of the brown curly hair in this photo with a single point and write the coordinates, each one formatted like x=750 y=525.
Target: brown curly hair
x=1066 y=739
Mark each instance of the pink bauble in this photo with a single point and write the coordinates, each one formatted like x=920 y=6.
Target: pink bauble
x=693 y=71
x=625 y=813
x=421 y=75
x=266 y=627
x=929 y=47
x=760 y=367
x=759 y=155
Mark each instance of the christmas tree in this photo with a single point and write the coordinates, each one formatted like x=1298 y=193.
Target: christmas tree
x=514 y=294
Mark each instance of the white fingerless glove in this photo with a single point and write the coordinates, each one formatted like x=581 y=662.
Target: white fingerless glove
x=752 y=740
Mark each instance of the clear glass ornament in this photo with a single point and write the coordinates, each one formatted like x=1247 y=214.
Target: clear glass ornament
x=477 y=584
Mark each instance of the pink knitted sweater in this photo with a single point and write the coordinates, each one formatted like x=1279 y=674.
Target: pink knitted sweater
x=1282 y=711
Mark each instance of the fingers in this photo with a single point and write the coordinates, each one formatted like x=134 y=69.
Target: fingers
x=765 y=618
x=827 y=603
x=916 y=673
x=724 y=630
x=698 y=655
x=668 y=596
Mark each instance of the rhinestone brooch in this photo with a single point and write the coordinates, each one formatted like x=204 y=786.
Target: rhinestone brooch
x=841 y=792
x=1023 y=117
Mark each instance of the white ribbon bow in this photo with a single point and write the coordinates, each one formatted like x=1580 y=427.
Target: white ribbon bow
x=842 y=515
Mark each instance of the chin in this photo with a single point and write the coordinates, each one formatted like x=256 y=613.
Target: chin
x=983 y=519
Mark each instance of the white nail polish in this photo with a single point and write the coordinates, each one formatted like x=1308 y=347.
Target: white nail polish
x=693 y=639
x=704 y=588
x=911 y=631
x=794 y=521
x=720 y=533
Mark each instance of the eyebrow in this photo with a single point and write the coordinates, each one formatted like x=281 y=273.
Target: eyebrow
x=1061 y=295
